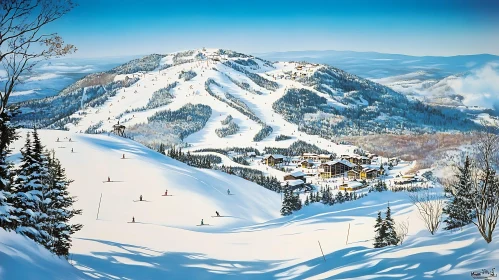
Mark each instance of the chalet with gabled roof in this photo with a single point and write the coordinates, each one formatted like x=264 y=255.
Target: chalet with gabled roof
x=295 y=175
x=273 y=159
x=335 y=168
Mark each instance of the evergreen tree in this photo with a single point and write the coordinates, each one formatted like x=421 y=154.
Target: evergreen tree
x=380 y=232
x=391 y=234
x=60 y=210
x=8 y=219
x=339 y=197
x=287 y=203
x=28 y=195
x=307 y=200
x=459 y=208
x=297 y=204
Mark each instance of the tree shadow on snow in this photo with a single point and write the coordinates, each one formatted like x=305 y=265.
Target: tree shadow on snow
x=419 y=257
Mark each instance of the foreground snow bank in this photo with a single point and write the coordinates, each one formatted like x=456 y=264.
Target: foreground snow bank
x=22 y=258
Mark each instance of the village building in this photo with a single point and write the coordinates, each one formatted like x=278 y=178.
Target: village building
x=295 y=160
x=335 y=168
x=273 y=160
x=351 y=186
x=325 y=158
x=364 y=174
x=307 y=163
x=310 y=156
x=251 y=154
x=293 y=184
x=295 y=175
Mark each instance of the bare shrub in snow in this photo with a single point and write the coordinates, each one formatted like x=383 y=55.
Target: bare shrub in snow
x=430 y=206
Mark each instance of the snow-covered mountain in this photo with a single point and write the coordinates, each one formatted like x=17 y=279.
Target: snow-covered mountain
x=186 y=96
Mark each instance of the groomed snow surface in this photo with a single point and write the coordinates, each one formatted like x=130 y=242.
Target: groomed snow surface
x=250 y=241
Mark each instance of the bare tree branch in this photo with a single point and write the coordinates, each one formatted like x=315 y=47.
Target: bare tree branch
x=22 y=41
x=430 y=206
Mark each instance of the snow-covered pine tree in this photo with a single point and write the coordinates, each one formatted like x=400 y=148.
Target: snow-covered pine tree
x=339 y=197
x=307 y=200
x=287 y=203
x=380 y=232
x=326 y=196
x=27 y=195
x=8 y=135
x=460 y=208
x=347 y=196
x=391 y=235
x=60 y=209
x=297 y=204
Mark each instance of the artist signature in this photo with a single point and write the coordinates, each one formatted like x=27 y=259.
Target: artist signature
x=484 y=274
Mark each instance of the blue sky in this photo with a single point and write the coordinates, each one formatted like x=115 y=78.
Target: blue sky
x=131 y=27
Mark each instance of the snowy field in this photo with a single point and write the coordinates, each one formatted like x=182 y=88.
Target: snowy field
x=250 y=241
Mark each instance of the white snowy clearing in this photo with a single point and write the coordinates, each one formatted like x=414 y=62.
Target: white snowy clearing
x=250 y=241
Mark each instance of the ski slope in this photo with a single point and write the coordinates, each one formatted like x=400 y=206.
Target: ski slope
x=250 y=241
x=193 y=91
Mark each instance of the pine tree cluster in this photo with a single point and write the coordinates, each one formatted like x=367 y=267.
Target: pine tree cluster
x=34 y=199
x=324 y=196
x=290 y=203
x=200 y=161
x=385 y=231
x=460 y=207
x=255 y=176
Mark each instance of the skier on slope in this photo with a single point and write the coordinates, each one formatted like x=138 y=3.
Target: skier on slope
x=166 y=192
x=71 y=149
x=202 y=222
x=108 y=179
x=133 y=219
x=218 y=215
x=228 y=191
x=140 y=197
x=57 y=139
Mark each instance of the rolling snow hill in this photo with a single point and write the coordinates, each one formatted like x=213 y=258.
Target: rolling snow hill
x=250 y=241
x=185 y=96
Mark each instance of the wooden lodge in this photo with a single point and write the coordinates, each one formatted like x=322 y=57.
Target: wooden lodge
x=335 y=168
x=295 y=175
x=273 y=159
x=356 y=159
x=351 y=186
x=364 y=174
x=293 y=184
x=307 y=163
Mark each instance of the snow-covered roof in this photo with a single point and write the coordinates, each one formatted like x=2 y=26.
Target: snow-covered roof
x=354 y=184
x=345 y=162
x=251 y=153
x=297 y=173
x=293 y=183
x=309 y=154
x=274 y=156
x=325 y=156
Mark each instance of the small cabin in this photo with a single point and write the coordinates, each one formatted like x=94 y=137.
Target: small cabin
x=351 y=186
x=295 y=175
x=307 y=163
x=273 y=159
x=294 y=184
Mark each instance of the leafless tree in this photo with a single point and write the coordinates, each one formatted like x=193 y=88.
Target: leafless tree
x=23 y=42
x=430 y=205
x=402 y=228
x=485 y=182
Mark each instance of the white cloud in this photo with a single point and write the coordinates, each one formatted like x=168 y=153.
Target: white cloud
x=66 y=68
x=45 y=76
x=480 y=87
